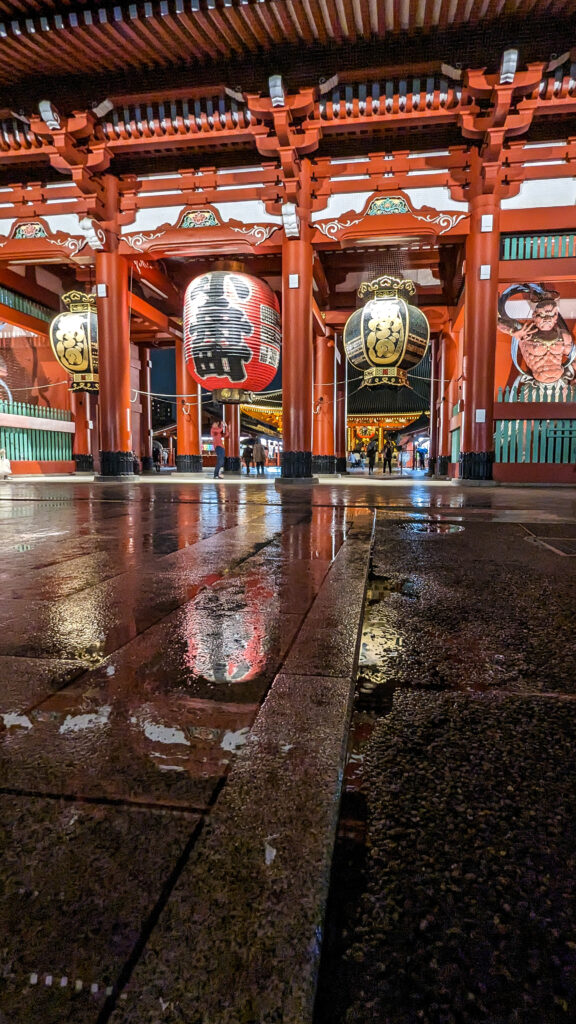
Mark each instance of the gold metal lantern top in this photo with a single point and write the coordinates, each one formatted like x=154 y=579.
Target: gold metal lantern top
x=74 y=340
x=387 y=336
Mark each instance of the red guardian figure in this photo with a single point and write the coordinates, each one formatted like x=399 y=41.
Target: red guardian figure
x=543 y=342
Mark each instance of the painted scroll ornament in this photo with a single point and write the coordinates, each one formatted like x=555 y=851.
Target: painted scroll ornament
x=543 y=342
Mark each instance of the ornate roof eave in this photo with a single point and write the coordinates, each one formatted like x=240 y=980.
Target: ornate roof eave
x=172 y=240
x=390 y=215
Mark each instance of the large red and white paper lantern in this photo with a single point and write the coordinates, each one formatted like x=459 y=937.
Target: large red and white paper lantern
x=231 y=334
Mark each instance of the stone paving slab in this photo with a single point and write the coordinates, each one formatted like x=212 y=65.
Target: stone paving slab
x=103 y=617
x=552 y=529
x=77 y=884
x=161 y=720
x=169 y=750
x=470 y=906
x=328 y=643
x=249 y=907
x=24 y=682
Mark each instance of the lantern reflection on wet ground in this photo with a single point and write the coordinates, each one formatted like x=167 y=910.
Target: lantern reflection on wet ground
x=114 y=744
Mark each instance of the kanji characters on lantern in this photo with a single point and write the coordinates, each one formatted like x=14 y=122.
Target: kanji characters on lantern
x=388 y=335
x=74 y=340
x=231 y=333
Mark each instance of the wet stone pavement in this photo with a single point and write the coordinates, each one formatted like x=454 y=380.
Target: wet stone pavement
x=177 y=672
x=453 y=891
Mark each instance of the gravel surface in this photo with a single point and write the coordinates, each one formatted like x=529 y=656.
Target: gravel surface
x=484 y=608
x=453 y=894
x=469 y=912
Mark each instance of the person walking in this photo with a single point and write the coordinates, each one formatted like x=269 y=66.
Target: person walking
x=371 y=452
x=156 y=458
x=247 y=457
x=259 y=455
x=5 y=467
x=387 y=453
x=218 y=433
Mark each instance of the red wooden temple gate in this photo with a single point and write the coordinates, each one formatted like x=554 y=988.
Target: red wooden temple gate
x=463 y=177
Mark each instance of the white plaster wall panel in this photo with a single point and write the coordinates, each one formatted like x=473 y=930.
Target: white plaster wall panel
x=520 y=309
x=63 y=223
x=547 y=192
x=438 y=197
x=247 y=211
x=153 y=217
x=337 y=205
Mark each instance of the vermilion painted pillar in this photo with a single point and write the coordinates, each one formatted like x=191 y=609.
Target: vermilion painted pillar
x=341 y=407
x=232 y=421
x=480 y=320
x=433 y=450
x=82 y=445
x=114 y=365
x=444 y=410
x=188 y=417
x=146 y=414
x=323 y=457
x=297 y=355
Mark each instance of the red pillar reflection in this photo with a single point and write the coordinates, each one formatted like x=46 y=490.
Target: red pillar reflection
x=323 y=401
x=232 y=421
x=341 y=407
x=82 y=445
x=146 y=413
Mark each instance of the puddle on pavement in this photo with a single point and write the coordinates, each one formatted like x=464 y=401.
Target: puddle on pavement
x=431 y=527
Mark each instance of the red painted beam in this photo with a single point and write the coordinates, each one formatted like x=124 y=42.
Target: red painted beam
x=534 y=411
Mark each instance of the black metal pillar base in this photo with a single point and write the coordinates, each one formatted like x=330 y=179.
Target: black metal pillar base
x=232 y=464
x=442 y=465
x=341 y=465
x=296 y=465
x=114 y=464
x=84 y=463
x=476 y=465
x=188 y=463
x=147 y=464
x=325 y=464
x=431 y=466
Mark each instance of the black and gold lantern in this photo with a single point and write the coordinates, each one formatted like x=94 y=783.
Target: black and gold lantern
x=388 y=335
x=74 y=340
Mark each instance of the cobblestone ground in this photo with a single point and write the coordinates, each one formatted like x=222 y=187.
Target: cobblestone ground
x=453 y=887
